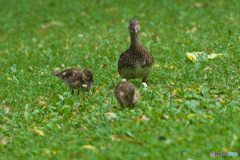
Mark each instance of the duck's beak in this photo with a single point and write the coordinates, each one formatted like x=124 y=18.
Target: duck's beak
x=92 y=82
x=135 y=29
x=132 y=100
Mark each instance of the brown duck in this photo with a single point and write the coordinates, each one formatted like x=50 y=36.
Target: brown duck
x=77 y=79
x=126 y=94
x=137 y=61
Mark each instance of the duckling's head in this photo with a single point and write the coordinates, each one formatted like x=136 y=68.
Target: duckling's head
x=134 y=27
x=88 y=75
x=132 y=95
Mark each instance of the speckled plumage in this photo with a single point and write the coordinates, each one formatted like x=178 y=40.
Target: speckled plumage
x=137 y=61
x=126 y=94
x=76 y=79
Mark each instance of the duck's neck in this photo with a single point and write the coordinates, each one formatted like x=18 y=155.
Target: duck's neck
x=135 y=41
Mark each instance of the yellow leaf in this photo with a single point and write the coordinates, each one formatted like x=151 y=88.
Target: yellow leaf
x=89 y=147
x=190 y=89
x=207 y=116
x=98 y=91
x=45 y=153
x=214 y=55
x=191 y=115
x=178 y=100
x=174 y=91
x=165 y=104
x=193 y=56
x=156 y=65
x=39 y=132
x=40 y=102
x=171 y=83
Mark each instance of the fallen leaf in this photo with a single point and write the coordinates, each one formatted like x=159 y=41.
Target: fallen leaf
x=115 y=137
x=214 y=55
x=191 y=115
x=99 y=90
x=207 y=116
x=156 y=65
x=193 y=56
x=207 y=49
x=201 y=5
x=218 y=98
x=87 y=139
x=178 y=100
x=166 y=116
x=71 y=142
x=206 y=68
x=53 y=23
x=103 y=65
x=86 y=57
x=40 y=102
x=3 y=141
x=171 y=83
x=89 y=147
x=105 y=101
x=194 y=29
x=39 y=132
x=6 y=110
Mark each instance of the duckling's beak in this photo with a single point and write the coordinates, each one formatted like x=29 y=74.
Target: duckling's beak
x=92 y=82
x=132 y=100
x=135 y=29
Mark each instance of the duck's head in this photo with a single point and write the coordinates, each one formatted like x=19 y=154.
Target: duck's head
x=134 y=26
x=88 y=75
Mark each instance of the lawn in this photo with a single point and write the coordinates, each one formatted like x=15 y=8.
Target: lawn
x=186 y=111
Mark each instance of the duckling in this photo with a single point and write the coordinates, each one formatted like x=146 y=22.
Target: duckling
x=77 y=79
x=126 y=94
x=137 y=61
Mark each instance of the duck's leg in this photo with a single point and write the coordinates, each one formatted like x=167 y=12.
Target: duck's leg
x=144 y=79
x=72 y=91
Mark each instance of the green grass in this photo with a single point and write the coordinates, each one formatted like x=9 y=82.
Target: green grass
x=39 y=36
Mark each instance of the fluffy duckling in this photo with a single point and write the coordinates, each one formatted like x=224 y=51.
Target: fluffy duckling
x=77 y=79
x=137 y=61
x=126 y=94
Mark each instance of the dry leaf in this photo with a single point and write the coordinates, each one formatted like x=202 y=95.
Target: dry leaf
x=115 y=137
x=207 y=68
x=103 y=65
x=218 y=98
x=86 y=57
x=201 y=5
x=87 y=139
x=105 y=101
x=89 y=147
x=71 y=142
x=84 y=128
x=40 y=102
x=166 y=116
x=3 y=141
x=6 y=110
x=143 y=117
